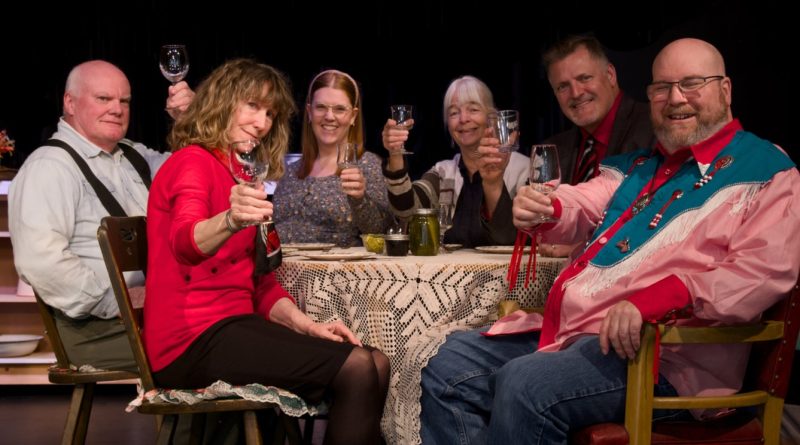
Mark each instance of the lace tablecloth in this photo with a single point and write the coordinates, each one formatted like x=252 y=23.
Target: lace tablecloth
x=405 y=306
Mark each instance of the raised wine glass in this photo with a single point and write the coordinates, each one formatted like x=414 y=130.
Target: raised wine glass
x=249 y=164
x=174 y=62
x=402 y=115
x=545 y=172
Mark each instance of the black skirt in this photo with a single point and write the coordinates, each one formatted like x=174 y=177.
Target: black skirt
x=249 y=349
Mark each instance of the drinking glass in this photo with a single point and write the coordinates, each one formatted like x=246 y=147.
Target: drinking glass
x=249 y=164
x=402 y=114
x=545 y=172
x=174 y=62
x=505 y=124
x=446 y=212
x=347 y=156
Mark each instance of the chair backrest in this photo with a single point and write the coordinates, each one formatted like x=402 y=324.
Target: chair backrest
x=770 y=366
x=765 y=385
x=52 y=332
x=123 y=241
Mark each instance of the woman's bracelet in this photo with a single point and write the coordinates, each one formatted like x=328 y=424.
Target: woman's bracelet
x=229 y=222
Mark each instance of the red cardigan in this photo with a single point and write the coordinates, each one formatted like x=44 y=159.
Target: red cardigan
x=187 y=290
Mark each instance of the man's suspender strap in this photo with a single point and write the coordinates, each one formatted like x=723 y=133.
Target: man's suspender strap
x=137 y=161
x=112 y=205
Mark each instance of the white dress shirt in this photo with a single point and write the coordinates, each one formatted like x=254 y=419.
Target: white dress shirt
x=53 y=218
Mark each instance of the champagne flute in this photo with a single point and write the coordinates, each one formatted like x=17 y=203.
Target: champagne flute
x=174 y=62
x=249 y=164
x=545 y=172
x=445 y=222
x=402 y=114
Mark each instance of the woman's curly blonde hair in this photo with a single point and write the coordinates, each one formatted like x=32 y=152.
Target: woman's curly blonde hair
x=209 y=117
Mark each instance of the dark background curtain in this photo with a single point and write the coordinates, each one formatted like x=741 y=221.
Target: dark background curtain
x=399 y=52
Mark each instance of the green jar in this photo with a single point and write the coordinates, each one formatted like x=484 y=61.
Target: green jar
x=423 y=231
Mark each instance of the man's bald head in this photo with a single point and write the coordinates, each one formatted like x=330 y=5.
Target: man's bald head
x=684 y=115
x=97 y=101
x=89 y=71
x=692 y=54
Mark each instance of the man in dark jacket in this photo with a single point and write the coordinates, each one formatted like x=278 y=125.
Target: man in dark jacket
x=607 y=122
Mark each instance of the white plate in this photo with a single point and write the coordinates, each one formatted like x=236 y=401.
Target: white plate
x=309 y=246
x=500 y=249
x=17 y=345
x=452 y=247
x=339 y=256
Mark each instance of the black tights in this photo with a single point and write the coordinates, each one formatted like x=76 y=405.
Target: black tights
x=359 y=392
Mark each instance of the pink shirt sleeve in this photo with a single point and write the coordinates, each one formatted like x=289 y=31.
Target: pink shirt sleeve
x=762 y=257
x=579 y=207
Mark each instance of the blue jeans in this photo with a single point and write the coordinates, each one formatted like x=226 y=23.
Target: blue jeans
x=498 y=390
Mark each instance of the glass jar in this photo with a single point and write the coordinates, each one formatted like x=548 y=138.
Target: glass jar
x=397 y=245
x=423 y=231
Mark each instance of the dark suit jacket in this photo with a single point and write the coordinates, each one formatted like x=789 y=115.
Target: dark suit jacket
x=631 y=130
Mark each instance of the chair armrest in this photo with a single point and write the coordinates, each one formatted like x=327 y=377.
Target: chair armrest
x=748 y=333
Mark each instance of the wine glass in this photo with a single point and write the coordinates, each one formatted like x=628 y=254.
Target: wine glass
x=249 y=164
x=174 y=62
x=545 y=172
x=347 y=156
x=402 y=114
x=445 y=222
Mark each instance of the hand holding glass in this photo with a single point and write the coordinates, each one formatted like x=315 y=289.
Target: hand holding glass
x=347 y=156
x=505 y=124
x=249 y=165
x=545 y=172
x=402 y=114
x=174 y=62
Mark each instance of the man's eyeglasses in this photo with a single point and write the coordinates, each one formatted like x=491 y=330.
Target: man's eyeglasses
x=658 y=91
x=337 y=110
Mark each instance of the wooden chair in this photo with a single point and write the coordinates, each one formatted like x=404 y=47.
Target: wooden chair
x=765 y=385
x=80 y=408
x=123 y=241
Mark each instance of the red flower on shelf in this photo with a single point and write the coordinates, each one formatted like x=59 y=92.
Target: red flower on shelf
x=6 y=144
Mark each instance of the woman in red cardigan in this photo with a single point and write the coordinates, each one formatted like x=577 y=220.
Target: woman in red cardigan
x=210 y=315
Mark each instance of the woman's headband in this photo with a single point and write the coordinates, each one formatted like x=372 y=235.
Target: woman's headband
x=342 y=73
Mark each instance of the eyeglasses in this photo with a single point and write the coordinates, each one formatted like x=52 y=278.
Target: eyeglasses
x=658 y=91
x=320 y=110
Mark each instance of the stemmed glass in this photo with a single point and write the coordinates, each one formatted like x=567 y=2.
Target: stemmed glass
x=249 y=164
x=445 y=222
x=174 y=62
x=402 y=114
x=545 y=172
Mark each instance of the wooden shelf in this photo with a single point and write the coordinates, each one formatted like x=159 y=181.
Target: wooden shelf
x=37 y=358
x=17 y=313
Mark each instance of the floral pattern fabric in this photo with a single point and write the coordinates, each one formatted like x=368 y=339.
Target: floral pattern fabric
x=315 y=209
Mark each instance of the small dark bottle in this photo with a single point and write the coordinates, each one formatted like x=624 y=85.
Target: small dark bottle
x=270 y=257
x=396 y=244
